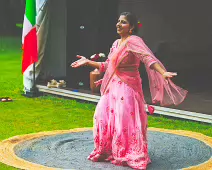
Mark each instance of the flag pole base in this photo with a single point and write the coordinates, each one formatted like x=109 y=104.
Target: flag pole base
x=32 y=93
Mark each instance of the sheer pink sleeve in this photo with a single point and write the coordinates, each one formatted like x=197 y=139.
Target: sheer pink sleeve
x=163 y=91
x=146 y=59
x=103 y=66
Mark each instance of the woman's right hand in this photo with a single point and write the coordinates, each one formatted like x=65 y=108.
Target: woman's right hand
x=168 y=75
x=81 y=62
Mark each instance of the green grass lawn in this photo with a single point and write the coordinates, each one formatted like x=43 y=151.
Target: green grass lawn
x=47 y=113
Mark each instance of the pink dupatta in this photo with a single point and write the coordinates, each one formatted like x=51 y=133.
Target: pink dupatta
x=163 y=91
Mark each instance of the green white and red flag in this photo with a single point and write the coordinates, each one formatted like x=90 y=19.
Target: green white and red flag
x=29 y=36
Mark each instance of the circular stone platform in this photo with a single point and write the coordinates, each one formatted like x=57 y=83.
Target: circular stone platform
x=169 y=150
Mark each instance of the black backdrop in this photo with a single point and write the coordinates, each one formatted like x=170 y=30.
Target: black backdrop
x=90 y=29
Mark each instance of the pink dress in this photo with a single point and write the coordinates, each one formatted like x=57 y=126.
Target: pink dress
x=120 y=119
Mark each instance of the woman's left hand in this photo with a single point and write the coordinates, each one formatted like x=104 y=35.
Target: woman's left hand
x=168 y=75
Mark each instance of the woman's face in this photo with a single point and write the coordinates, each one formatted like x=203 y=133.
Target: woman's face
x=123 y=26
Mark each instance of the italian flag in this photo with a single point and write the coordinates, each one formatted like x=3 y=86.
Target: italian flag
x=29 y=36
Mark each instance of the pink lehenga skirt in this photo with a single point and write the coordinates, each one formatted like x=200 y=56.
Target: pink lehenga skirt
x=120 y=127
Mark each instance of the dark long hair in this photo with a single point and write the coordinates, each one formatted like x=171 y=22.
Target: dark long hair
x=132 y=19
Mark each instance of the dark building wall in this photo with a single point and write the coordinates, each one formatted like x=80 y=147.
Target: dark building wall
x=90 y=29
x=178 y=31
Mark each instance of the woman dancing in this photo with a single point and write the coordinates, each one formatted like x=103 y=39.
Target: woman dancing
x=120 y=119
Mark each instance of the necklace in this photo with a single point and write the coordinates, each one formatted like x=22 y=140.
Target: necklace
x=122 y=40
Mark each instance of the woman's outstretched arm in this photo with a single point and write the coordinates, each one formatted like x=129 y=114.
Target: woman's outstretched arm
x=93 y=64
x=153 y=64
x=85 y=62
x=159 y=69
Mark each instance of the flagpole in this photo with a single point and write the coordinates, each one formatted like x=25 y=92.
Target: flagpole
x=34 y=86
x=30 y=55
